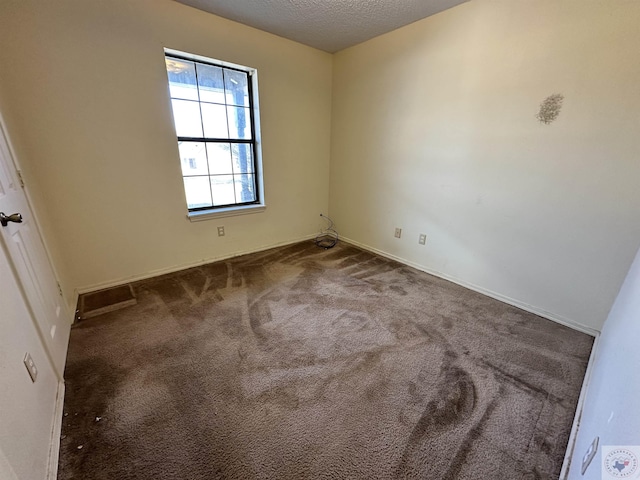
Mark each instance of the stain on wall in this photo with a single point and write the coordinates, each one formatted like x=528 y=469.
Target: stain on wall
x=550 y=108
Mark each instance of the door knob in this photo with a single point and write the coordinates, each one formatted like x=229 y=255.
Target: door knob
x=5 y=219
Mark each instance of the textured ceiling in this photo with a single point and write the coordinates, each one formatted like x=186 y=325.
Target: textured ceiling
x=329 y=25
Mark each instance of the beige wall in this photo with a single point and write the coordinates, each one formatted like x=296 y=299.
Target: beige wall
x=87 y=108
x=434 y=131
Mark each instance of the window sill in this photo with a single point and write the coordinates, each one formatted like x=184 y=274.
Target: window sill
x=224 y=212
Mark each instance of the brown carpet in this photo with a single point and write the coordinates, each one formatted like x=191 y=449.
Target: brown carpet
x=303 y=363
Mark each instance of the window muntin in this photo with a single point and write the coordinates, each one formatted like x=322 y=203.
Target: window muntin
x=213 y=114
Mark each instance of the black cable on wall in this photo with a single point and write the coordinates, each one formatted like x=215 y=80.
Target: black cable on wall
x=327 y=238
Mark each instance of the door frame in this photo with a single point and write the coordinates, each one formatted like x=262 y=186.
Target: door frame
x=15 y=172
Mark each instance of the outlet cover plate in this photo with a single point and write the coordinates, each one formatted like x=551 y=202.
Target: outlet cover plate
x=31 y=367
x=398 y=233
x=221 y=231
x=422 y=239
x=590 y=453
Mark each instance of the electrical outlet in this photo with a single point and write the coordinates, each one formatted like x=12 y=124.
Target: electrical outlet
x=31 y=367
x=422 y=239
x=221 y=231
x=591 y=452
x=398 y=233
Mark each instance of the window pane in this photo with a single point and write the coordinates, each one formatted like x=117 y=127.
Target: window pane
x=223 y=190
x=245 y=188
x=242 y=158
x=193 y=158
x=182 y=78
x=186 y=116
x=237 y=87
x=239 y=122
x=198 y=192
x=219 y=158
x=210 y=83
x=215 y=120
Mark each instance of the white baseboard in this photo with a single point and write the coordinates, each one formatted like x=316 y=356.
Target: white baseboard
x=571 y=445
x=511 y=301
x=176 y=268
x=54 y=444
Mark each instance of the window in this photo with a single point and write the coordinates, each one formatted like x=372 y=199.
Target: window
x=215 y=115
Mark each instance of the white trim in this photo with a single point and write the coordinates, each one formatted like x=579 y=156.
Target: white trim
x=571 y=444
x=255 y=107
x=202 y=58
x=54 y=444
x=199 y=216
x=176 y=268
x=511 y=301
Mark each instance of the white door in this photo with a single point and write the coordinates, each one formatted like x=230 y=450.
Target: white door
x=30 y=412
x=28 y=255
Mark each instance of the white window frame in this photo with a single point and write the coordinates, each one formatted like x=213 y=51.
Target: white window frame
x=199 y=215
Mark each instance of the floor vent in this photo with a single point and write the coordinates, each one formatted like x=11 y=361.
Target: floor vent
x=103 y=301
